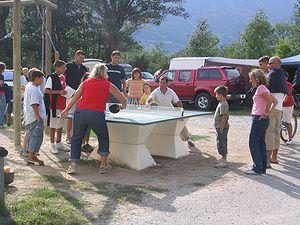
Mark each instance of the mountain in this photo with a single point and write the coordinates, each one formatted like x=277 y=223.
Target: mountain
x=227 y=19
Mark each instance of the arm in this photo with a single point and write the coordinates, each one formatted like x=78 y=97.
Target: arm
x=72 y=101
x=224 y=119
x=55 y=92
x=271 y=103
x=149 y=100
x=35 y=108
x=115 y=92
x=124 y=86
x=179 y=104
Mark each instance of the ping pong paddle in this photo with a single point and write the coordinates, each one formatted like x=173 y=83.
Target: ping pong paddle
x=115 y=108
x=153 y=104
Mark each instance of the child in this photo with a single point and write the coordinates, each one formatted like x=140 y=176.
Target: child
x=54 y=87
x=35 y=112
x=221 y=125
x=147 y=92
x=135 y=85
x=287 y=112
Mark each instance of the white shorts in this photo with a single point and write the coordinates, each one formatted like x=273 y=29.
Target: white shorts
x=287 y=113
x=56 y=122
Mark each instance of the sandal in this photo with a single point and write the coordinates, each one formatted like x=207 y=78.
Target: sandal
x=274 y=161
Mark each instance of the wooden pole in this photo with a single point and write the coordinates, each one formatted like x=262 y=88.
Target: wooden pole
x=17 y=71
x=48 y=46
x=8 y=3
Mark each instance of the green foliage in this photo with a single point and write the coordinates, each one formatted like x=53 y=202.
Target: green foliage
x=258 y=38
x=150 y=60
x=46 y=206
x=283 y=49
x=203 y=42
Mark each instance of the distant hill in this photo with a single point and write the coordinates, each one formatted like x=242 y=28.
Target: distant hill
x=227 y=19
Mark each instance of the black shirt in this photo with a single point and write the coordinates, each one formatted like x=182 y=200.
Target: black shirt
x=74 y=73
x=116 y=74
x=1 y=77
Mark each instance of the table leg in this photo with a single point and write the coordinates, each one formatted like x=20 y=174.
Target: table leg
x=127 y=145
x=165 y=139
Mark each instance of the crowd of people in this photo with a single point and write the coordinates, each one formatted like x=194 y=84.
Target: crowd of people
x=72 y=97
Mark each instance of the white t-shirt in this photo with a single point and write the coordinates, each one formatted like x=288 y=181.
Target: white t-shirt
x=24 y=82
x=164 y=99
x=33 y=95
x=279 y=97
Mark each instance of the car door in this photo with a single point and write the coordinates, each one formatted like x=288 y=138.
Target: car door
x=183 y=85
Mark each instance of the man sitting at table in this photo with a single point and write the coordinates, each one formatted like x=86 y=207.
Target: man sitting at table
x=164 y=96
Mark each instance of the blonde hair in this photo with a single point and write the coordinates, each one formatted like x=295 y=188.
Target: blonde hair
x=260 y=76
x=99 y=71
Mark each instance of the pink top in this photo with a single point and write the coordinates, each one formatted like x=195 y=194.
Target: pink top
x=259 y=103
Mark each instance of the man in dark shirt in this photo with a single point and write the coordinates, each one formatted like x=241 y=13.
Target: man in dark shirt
x=75 y=70
x=116 y=74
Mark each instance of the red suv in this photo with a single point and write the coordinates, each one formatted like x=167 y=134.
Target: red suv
x=198 y=85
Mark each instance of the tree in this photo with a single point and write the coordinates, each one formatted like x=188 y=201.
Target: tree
x=203 y=42
x=234 y=50
x=296 y=29
x=5 y=43
x=283 y=49
x=121 y=18
x=258 y=38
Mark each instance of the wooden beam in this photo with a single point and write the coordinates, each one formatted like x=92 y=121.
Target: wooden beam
x=9 y=3
x=48 y=47
x=17 y=71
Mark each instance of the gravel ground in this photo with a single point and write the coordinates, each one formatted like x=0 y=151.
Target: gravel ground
x=183 y=191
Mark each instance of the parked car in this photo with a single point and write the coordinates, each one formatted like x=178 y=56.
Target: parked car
x=148 y=76
x=9 y=77
x=128 y=69
x=90 y=63
x=197 y=85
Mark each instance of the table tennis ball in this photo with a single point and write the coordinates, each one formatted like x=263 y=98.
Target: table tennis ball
x=7 y=169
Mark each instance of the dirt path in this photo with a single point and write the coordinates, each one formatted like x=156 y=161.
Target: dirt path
x=184 y=191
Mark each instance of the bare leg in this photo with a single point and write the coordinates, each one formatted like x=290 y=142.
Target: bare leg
x=103 y=161
x=52 y=135
x=269 y=153
x=58 y=135
x=289 y=129
x=25 y=140
x=69 y=129
x=274 y=156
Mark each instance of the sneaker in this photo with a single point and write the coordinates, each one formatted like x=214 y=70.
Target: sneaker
x=23 y=152
x=105 y=169
x=68 y=141
x=221 y=164
x=60 y=146
x=33 y=160
x=87 y=148
x=53 y=149
x=190 y=143
x=251 y=172
x=71 y=169
x=289 y=142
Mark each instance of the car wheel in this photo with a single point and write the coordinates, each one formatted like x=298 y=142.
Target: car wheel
x=203 y=101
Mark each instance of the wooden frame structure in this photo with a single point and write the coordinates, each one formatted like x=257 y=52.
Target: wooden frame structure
x=17 y=53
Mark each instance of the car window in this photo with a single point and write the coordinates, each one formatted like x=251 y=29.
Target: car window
x=184 y=76
x=170 y=75
x=232 y=73
x=8 y=75
x=214 y=74
x=147 y=76
x=202 y=74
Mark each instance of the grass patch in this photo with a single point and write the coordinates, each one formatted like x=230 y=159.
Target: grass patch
x=126 y=193
x=199 y=138
x=52 y=179
x=45 y=206
x=82 y=186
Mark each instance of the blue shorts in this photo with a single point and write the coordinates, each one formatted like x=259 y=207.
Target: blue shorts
x=36 y=133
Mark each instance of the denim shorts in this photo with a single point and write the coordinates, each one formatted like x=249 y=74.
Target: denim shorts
x=36 y=133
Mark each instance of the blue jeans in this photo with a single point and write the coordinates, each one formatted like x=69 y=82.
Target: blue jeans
x=2 y=109
x=257 y=144
x=222 y=141
x=84 y=119
x=36 y=133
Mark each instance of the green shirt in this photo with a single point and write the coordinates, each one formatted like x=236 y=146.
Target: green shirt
x=222 y=109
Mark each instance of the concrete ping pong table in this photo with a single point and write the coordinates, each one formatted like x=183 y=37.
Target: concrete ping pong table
x=138 y=132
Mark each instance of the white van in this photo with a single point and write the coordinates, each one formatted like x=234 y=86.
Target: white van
x=187 y=63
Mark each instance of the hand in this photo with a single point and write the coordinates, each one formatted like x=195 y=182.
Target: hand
x=263 y=117
x=63 y=92
x=64 y=114
x=39 y=118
